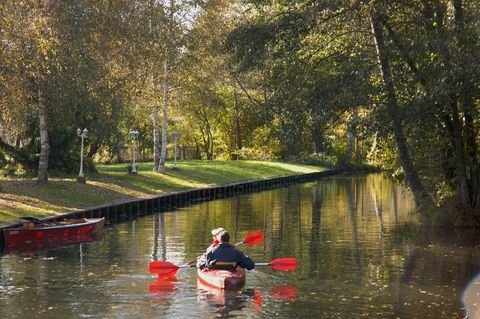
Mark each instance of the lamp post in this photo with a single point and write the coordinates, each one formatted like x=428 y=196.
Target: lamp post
x=175 y=135
x=83 y=135
x=134 y=135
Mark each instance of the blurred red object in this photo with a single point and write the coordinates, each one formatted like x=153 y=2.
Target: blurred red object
x=163 y=285
x=284 y=293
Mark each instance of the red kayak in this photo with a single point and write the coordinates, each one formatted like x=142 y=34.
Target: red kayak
x=222 y=279
x=49 y=232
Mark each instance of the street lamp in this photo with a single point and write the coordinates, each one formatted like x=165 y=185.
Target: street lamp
x=175 y=135
x=134 y=135
x=83 y=135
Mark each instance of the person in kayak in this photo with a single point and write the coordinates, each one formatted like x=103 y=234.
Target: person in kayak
x=215 y=241
x=223 y=255
x=216 y=238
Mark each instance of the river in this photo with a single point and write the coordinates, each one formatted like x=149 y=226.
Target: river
x=360 y=251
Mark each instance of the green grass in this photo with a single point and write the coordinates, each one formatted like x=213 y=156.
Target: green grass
x=23 y=197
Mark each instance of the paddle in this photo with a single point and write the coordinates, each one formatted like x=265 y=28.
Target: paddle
x=252 y=238
x=166 y=267
x=163 y=267
x=282 y=264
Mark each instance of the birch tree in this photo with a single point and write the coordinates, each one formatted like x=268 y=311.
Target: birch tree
x=46 y=29
x=166 y=85
x=180 y=17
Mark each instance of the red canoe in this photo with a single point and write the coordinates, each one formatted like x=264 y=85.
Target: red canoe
x=32 y=234
x=222 y=279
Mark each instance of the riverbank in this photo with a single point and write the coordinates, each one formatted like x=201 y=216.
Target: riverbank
x=23 y=197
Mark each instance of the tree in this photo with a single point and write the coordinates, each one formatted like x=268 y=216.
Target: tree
x=56 y=64
x=392 y=108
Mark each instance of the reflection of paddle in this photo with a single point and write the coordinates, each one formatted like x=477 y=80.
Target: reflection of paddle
x=163 y=285
x=166 y=267
x=284 y=293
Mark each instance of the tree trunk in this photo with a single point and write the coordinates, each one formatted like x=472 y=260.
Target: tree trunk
x=207 y=138
x=351 y=137
x=42 y=176
x=112 y=152
x=156 y=128
x=210 y=146
x=373 y=149
x=96 y=144
x=466 y=98
x=163 y=152
x=418 y=190
x=454 y=118
x=318 y=140
x=168 y=50
x=463 y=194
x=434 y=14
x=238 y=130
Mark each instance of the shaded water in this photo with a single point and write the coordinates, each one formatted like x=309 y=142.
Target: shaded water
x=358 y=256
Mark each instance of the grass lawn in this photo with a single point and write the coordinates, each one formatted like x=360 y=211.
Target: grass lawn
x=23 y=197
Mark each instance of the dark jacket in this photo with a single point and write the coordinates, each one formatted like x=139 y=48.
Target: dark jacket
x=225 y=253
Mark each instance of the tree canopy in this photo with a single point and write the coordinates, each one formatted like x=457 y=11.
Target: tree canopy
x=393 y=84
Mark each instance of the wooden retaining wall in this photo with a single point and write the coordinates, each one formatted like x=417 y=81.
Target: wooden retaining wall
x=131 y=209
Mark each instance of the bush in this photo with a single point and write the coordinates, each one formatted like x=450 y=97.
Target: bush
x=318 y=159
x=259 y=154
x=9 y=170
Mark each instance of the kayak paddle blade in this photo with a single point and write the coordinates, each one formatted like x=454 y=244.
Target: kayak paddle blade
x=253 y=238
x=284 y=264
x=162 y=267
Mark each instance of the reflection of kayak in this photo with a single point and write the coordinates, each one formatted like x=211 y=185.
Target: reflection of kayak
x=222 y=279
x=216 y=296
x=43 y=234
x=51 y=243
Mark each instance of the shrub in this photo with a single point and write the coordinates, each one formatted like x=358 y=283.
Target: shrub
x=259 y=154
x=319 y=159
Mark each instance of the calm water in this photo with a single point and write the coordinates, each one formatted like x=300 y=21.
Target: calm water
x=358 y=257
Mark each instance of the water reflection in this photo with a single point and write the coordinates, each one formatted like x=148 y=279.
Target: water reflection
x=228 y=304
x=164 y=286
x=360 y=253
x=286 y=292
x=222 y=301
x=51 y=243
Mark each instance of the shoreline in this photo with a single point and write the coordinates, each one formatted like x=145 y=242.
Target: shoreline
x=112 y=185
x=132 y=208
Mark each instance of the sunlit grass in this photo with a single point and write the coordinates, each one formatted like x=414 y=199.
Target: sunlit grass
x=24 y=197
